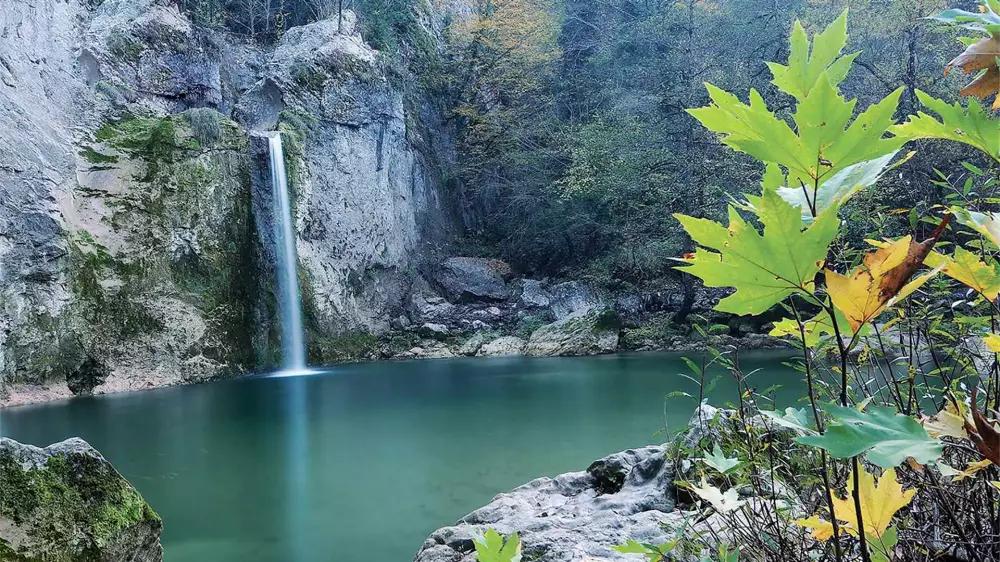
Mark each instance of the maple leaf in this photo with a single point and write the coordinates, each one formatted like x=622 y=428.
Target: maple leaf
x=887 y=438
x=987 y=224
x=971 y=469
x=764 y=267
x=972 y=126
x=980 y=57
x=808 y=61
x=879 y=503
x=722 y=502
x=983 y=432
x=950 y=421
x=822 y=530
x=992 y=342
x=882 y=279
x=966 y=268
x=816 y=328
x=822 y=137
x=718 y=460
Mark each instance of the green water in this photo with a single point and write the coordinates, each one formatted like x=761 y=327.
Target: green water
x=360 y=463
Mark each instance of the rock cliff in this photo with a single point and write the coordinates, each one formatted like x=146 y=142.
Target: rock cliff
x=130 y=252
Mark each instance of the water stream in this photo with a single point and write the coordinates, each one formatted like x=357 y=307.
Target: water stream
x=286 y=264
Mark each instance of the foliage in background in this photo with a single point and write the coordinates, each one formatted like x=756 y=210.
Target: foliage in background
x=573 y=173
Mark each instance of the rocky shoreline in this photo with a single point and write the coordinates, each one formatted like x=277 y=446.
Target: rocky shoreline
x=475 y=307
x=633 y=495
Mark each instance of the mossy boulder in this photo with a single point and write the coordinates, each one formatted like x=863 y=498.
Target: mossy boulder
x=67 y=503
x=584 y=333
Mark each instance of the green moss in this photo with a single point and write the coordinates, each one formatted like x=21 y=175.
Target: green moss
x=308 y=76
x=125 y=46
x=69 y=497
x=527 y=325
x=94 y=157
x=154 y=140
x=350 y=346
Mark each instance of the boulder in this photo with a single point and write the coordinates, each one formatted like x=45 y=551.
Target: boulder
x=66 y=502
x=534 y=294
x=433 y=330
x=584 y=333
x=576 y=516
x=573 y=297
x=472 y=345
x=473 y=279
x=504 y=346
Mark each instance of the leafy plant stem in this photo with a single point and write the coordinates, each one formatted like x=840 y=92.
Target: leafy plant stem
x=819 y=427
x=855 y=464
x=856 y=493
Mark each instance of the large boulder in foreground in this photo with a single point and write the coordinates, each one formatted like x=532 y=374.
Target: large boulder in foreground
x=576 y=516
x=473 y=279
x=589 y=332
x=67 y=503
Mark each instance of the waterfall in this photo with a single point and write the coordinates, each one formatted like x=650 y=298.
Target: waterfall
x=286 y=264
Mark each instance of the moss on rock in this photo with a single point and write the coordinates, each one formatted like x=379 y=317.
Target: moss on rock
x=66 y=502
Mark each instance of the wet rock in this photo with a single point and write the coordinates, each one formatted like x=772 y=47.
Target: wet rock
x=504 y=346
x=584 y=333
x=576 y=516
x=66 y=502
x=472 y=279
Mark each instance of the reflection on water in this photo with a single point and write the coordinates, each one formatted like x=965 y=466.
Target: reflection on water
x=360 y=463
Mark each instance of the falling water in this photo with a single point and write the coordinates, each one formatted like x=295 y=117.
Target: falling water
x=289 y=303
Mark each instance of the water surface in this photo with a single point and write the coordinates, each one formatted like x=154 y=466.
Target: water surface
x=359 y=463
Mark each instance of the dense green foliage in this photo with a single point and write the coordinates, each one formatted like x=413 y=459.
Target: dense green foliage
x=576 y=143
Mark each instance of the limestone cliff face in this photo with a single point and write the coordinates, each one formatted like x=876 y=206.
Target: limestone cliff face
x=130 y=253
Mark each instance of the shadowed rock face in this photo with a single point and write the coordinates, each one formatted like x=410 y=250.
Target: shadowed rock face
x=573 y=516
x=66 y=502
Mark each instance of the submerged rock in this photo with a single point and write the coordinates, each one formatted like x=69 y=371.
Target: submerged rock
x=584 y=333
x=66 y=502
x=576 y=516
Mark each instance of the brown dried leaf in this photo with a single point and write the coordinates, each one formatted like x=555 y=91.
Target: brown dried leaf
x=981 y=54
x=984 y=434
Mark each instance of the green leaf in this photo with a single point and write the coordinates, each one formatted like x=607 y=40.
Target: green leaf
x=652 y=553
x=973 y=126
x=764 y=268
x=986 y=22
x=492 y=548
x=987 y=224
x=717 y=460
x=882 y=546
x=888 y=438
x=817 y=328
x=838 y=188
x=799 y=420
x=806 y=63
x=824 y=141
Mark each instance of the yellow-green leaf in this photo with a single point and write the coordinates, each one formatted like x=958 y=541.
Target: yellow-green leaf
x=966 y=268
x=764 y=267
